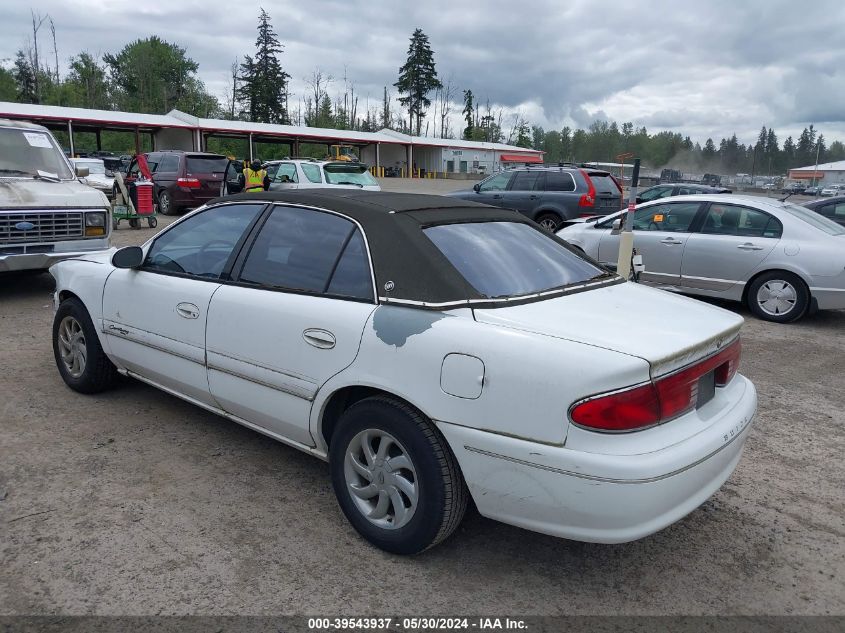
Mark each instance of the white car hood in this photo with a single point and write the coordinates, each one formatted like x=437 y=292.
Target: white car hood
x=667 y=330
x=19 y=193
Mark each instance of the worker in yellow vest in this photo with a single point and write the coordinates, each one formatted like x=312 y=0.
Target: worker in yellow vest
x=255 y=178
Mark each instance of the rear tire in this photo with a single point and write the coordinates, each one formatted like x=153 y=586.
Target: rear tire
x=778 y=296
x=549 y=221
x=165 y=204
x=411 y=494
x=79 y=356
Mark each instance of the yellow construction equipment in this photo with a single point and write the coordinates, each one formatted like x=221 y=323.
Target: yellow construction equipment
x=342 y=152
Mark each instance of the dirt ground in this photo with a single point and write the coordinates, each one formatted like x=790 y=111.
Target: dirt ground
x=134 y=502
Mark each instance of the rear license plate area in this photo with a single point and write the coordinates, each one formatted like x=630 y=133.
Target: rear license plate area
x=706 y=389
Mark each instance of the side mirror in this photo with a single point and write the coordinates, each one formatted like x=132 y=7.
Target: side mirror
x=639 y=200
x=476 y=187
x=616 y=226
x=82 y=172
x=128 y=257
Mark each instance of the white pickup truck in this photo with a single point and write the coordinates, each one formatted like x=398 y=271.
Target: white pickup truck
x=46 y=214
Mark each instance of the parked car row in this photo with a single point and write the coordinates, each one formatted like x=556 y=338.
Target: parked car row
x=304 y=173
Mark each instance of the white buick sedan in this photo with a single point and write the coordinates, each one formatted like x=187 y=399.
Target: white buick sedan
x=432 y=350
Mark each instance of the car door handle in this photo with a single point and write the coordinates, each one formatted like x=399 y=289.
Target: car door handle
x=188 y=311
x=533 y=197
x=748 y=246
x=497 y=196
x=321 y=339
x=671 y=240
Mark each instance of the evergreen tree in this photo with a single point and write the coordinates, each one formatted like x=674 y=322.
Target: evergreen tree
x=566 y=144
x=24 y=76
x=263 y=92
x=788 y=154
x=8 y=88
x=386 y=116
x=468 y=112
x=709 y=151
x=417 y=78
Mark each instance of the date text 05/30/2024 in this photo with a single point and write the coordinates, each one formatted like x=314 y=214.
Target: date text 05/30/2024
x=416 y=624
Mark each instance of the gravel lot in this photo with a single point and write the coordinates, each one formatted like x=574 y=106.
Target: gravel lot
x=136 y=503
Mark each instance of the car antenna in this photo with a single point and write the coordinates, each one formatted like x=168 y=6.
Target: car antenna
x=791 y=193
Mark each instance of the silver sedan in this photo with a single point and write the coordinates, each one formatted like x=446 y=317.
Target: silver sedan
x=779 y=258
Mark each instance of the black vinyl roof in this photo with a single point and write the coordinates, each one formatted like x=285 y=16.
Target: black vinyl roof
x=408 y=267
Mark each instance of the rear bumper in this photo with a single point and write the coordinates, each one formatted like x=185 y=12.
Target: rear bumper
x=597 y=497
x=191 y=198
x=829 y=292
x=42 y=261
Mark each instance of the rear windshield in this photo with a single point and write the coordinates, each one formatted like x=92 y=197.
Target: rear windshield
x=604 y=183
x=206 y=164
x=815 y=219
x=354 y=176
x=509 y=259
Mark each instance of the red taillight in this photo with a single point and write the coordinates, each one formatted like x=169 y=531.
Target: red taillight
x=658 y=401
x=622 y=411
x=588 y=199
x=188 y=183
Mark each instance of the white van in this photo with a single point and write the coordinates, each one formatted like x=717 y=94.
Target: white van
x=46 y=214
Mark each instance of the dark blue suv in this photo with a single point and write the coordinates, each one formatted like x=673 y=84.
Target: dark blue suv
x=549 y=195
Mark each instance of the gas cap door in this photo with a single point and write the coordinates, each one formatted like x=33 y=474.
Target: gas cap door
x=462 y=376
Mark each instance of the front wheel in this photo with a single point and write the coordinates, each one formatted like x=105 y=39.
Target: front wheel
x=778 y=296
x=152 y=222
x=80 y=358
x=395 y=477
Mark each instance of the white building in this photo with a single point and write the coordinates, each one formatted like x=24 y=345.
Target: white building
x=177 y=130
x=825 y=174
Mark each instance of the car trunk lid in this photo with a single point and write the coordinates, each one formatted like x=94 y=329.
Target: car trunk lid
x=668 y=331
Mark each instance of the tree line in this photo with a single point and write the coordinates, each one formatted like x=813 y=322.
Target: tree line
x=151 y=75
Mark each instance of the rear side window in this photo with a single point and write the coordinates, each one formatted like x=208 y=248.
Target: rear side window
x=312 y=172
x=309 y=251
x=508 y=259
x=729 y=219
x=169 y=163
x=559 y=181
x=206 y=164
x=201 y=244
x=527 y=181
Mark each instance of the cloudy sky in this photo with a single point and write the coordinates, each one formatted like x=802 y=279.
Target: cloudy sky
x=705 y=68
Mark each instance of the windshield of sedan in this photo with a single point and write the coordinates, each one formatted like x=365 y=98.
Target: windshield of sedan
x=814 y=219
x=509 y=259
x=352 y=176
x=25 y=153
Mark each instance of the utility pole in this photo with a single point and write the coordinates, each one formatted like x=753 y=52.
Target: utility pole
x=626 y=238
x=816 y=168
